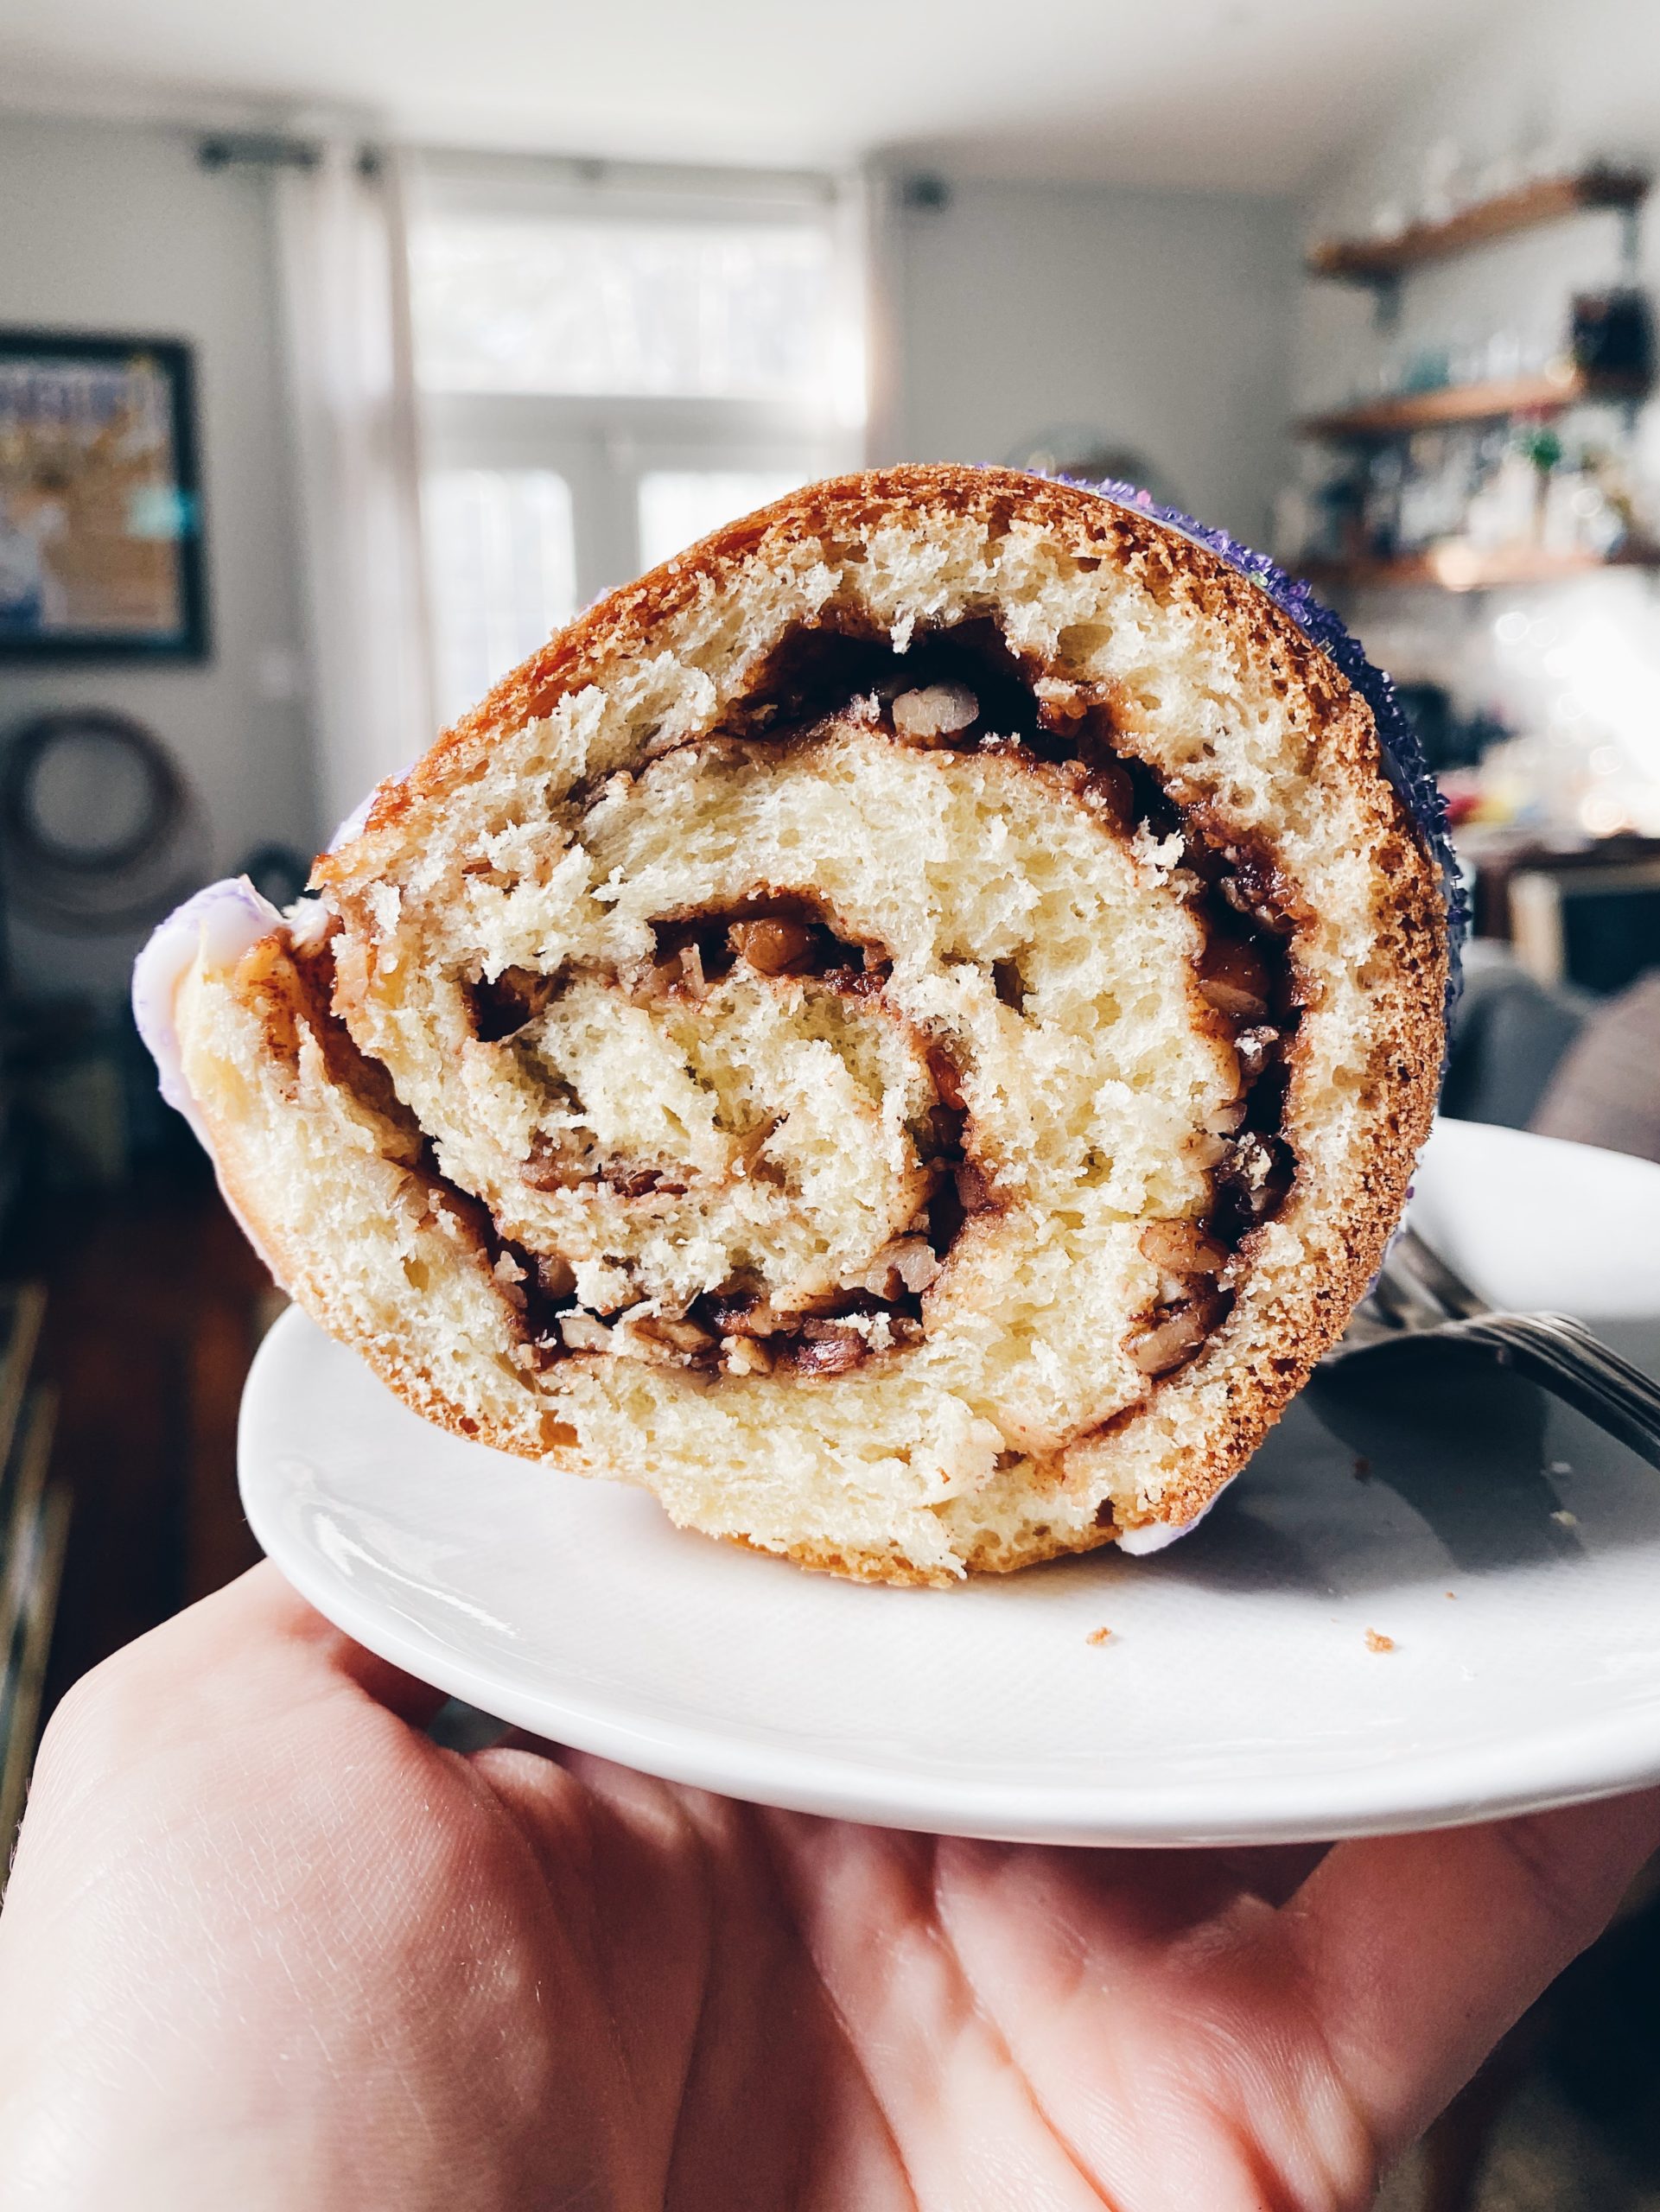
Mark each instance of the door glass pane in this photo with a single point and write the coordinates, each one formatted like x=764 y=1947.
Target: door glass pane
x=501 y=560
x=687 y=310
x=680 y=506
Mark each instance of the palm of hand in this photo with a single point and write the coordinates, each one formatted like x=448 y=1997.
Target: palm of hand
x=267 y=1945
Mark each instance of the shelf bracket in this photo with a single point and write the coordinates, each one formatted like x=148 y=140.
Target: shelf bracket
x=1385 y=289
x=1631 y=242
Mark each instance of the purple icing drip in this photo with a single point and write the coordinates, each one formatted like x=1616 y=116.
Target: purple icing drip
x=1403 y=755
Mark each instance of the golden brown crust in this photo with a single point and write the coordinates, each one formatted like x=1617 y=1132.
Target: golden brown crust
x=621 y=625
x=1410 y=955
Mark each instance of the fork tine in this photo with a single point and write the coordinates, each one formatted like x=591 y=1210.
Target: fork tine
x=1563 y=1356
x=1449 y=1289
x=1416 y=1293
x=1401 y=1295
x=1386 y=1302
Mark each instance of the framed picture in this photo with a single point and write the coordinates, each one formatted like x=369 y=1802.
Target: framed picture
x=100 y=511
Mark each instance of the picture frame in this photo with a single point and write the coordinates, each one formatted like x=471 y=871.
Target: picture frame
x=101 y=532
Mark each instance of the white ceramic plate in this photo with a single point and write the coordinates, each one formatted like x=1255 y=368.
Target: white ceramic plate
x=1510 y=1552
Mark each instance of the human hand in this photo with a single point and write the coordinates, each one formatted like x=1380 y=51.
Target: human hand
x=267 y=1946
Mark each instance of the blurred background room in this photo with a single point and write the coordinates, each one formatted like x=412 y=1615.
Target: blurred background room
x=347 y=350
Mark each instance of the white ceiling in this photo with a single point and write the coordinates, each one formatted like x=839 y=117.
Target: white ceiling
x=1254 y=95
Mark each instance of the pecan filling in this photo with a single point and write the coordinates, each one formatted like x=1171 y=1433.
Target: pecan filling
x=737 y=1328
x=962 y=690
x=790 y=934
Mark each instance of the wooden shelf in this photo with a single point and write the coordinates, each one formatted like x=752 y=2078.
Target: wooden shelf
x=1548 y=200
x=1406 y=411
x=1455 y=567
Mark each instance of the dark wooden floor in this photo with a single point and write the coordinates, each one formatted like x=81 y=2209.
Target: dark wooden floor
x=154 y=1305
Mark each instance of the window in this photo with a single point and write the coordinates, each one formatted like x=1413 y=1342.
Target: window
x=608 y=372
x=691 y=310
x=503 y=573
x=680 y=506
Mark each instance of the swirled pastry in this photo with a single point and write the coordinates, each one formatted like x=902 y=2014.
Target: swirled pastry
x=905 y=1032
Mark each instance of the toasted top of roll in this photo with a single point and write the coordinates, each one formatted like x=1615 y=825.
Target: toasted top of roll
x=906 y=1031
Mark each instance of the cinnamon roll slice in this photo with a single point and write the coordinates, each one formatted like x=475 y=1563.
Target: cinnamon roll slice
x=905 y=1032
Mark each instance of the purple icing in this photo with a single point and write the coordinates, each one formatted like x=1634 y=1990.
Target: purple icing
x=1403 y=755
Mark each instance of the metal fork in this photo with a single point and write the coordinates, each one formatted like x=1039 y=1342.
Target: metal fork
x=1417 y=1294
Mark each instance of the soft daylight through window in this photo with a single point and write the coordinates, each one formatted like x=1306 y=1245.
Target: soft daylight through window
x=604 y=377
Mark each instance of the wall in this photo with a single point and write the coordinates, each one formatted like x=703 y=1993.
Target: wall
x=1575 y=669
x=114 y=227
x=1550 y=85
x=1162 y=318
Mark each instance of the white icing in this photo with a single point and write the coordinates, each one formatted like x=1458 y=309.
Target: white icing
x=220 y=924
x=355 y=822
x=1151 y=1536
x=352 y=827
x=1158 y=1535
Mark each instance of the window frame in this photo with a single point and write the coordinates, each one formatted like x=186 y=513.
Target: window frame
x=604 y=444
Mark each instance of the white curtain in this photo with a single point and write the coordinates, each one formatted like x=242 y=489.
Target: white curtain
x=345 y=282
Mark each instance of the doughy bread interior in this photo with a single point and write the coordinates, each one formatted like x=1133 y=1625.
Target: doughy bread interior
x=904 y=1033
